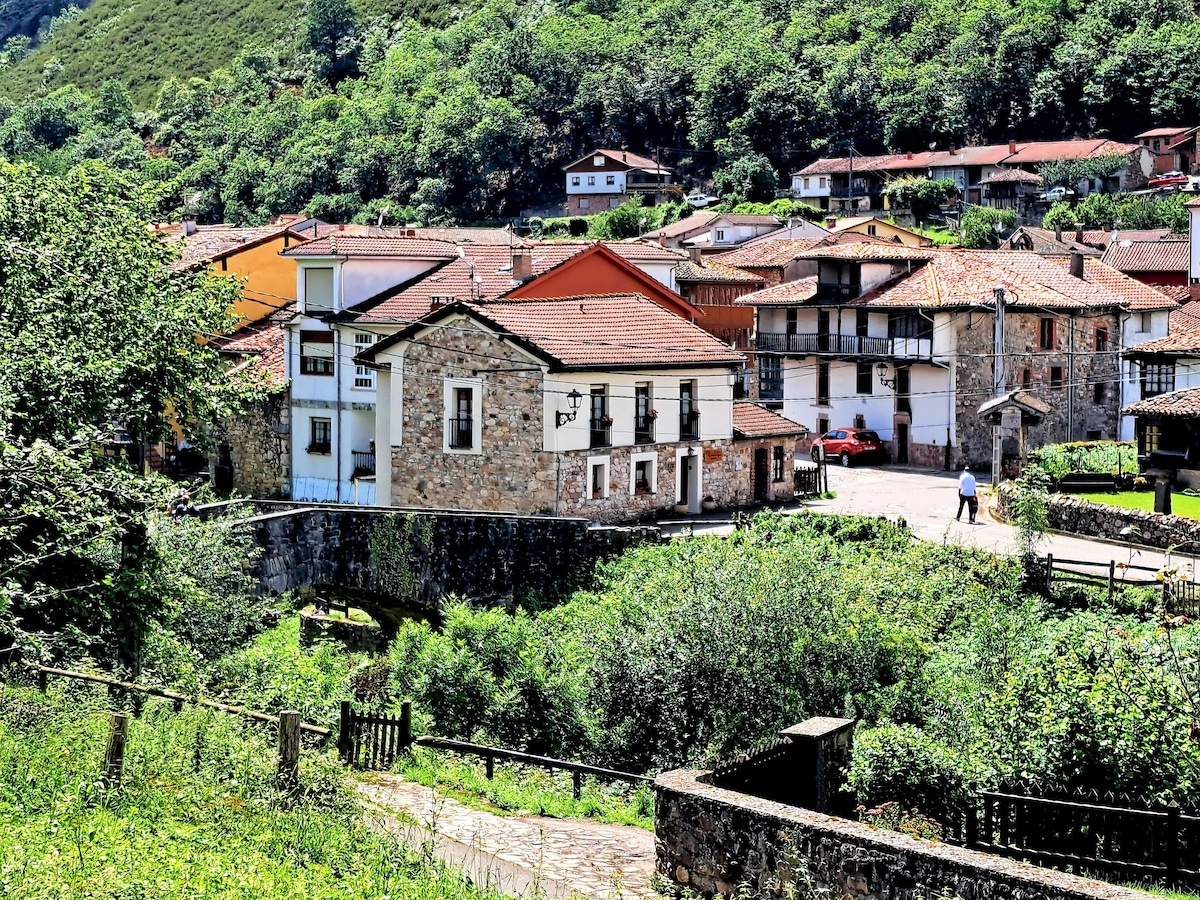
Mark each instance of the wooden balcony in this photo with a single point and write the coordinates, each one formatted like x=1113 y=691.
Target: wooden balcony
x=364 y=463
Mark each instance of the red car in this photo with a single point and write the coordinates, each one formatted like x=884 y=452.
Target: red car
x=849 y=445
x=1169 y=179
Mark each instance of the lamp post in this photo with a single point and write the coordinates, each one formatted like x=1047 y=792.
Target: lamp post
x=574 y=398
x=881 y=370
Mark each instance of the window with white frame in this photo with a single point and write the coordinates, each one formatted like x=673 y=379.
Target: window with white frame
x=643 y=474
x=591 y=179
x=598 y=160
x=720 y=234
x=318 y=289
x=363 y=377
x=462 y=428
x=575 y=180
x=597 y=476
x=610 y=179
x=823 y=182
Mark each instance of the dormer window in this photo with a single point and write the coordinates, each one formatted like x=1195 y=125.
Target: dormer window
x=720 y=234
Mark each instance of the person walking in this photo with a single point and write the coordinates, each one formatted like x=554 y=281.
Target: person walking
x=966 y=495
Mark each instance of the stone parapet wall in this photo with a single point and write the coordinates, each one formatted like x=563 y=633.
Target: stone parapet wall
x=1072 y=513
x=418 y=557
x=718 y=841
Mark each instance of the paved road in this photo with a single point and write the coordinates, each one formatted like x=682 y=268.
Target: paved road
x=521 y=856
x=927 y=501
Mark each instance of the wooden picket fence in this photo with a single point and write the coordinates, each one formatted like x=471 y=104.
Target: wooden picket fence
x=373 y=740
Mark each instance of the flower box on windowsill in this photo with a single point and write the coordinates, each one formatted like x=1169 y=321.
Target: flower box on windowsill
x=708 y=505
x=319 y=449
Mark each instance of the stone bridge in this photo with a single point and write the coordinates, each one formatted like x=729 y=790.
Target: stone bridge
x=412 y=558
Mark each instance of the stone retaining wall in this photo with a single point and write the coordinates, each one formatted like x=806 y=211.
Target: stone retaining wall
x=1072 y=513
x=418 y=557
x=717 y=841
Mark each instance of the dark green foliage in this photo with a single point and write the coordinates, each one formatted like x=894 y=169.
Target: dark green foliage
x=1069 y=172
x=921 y=195
x=473 y=120
x=982 y=226
x=1106 y=211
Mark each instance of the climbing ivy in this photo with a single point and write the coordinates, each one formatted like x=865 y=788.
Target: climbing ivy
x=394 y=540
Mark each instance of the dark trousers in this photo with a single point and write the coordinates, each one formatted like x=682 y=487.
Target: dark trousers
x=971 y=503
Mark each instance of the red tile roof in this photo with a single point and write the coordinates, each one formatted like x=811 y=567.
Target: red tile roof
x=688 y=225
x=768 y=254
x=709 y=269
x=478 y=272
x=960 y=278
x=869 y=250
x=633 y=160
x=1162 y=132
x=264 y=341
x=212 y=242
x=1148 y=256
x=1183 y=404
x=1036 y=152
x=600 y=331
x=1183 y=333
x=1012 y=176
x=341 y=244
x=1024 y=153
x=789 y=293
x=751 y=421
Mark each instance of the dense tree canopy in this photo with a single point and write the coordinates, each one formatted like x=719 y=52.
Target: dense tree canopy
x=473 y=120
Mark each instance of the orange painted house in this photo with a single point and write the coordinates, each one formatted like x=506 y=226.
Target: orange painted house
x=249 y=253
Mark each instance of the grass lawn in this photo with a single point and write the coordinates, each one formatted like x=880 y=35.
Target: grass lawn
x=1181 y=504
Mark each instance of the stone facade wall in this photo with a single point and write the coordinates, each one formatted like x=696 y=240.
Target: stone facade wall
x=975 y=343
x=728 y=480
x=1072 y=513
x=511 y=473
x=718 y=841
x=260 y=448
x=484 y=558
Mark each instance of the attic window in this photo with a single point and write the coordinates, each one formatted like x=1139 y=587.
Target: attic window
x=597 y=160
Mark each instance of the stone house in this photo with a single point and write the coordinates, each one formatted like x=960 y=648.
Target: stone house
x=712 y=287
x=355 y=290
x=607 y=407
x=902 y=341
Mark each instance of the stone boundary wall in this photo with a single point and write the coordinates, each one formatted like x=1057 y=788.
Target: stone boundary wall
x=1072 y=513
x=484 y=558
x=716 y=841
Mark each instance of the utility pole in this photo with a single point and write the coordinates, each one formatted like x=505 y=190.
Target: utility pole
x=850 y=186
x=998 y=382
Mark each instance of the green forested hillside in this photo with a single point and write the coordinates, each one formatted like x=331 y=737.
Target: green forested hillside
x=472 y=115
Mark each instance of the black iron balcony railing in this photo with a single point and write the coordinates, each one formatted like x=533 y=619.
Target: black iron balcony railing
x=845 y=345
x=601 y=432
x=462 y=433
x=364 y=463
x=689 y=425
x=316 y=365
x=643 y=430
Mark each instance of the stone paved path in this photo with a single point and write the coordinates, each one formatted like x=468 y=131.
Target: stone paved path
x=520 y=856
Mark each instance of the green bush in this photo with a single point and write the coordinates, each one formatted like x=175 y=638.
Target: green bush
x=1086 y=457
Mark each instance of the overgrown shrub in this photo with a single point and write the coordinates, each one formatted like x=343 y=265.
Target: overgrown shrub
x=1086 y=457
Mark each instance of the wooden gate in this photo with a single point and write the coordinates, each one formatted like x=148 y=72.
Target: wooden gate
x=373 y=740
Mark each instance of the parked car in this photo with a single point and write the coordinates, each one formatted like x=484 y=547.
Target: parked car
x=1169 y=179
x=1057 y=193
x=702 y=200
x=849 y=445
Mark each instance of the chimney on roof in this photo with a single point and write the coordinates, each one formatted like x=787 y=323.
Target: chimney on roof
x=1077 y=264
x=187 y=224
x=1079 y=232
x=662 y=240
x=1012 y=146
x=522 y=265
x=909 y=154
x=341 y=226
x=694 y=254
x=830 y=222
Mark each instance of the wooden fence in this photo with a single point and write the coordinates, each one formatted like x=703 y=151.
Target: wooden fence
x=44 y=673
x=373 y=740
x=807 y=480
x=1111 y=574
x=1098 y=836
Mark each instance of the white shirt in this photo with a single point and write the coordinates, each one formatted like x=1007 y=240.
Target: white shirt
x=966 y=484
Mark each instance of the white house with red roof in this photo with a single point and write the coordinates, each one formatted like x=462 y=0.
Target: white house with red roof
x=356 y=289
x=604 y=179
x=901 y=341
x=604 y=406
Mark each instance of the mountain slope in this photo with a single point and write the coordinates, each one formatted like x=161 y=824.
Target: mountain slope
x=145 y=42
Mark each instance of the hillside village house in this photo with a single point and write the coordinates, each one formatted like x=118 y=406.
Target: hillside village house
x=604 y=179
x=901 y=340
x=1174 y=148
x=607 y=407
x=354 y=291
x=1162 y=262
x=720 y=232
x=873 y=226
x=712 y=287
x=857 y=183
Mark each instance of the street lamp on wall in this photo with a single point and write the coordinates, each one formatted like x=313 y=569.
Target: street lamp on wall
x=881 y=370
x=573 y=400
